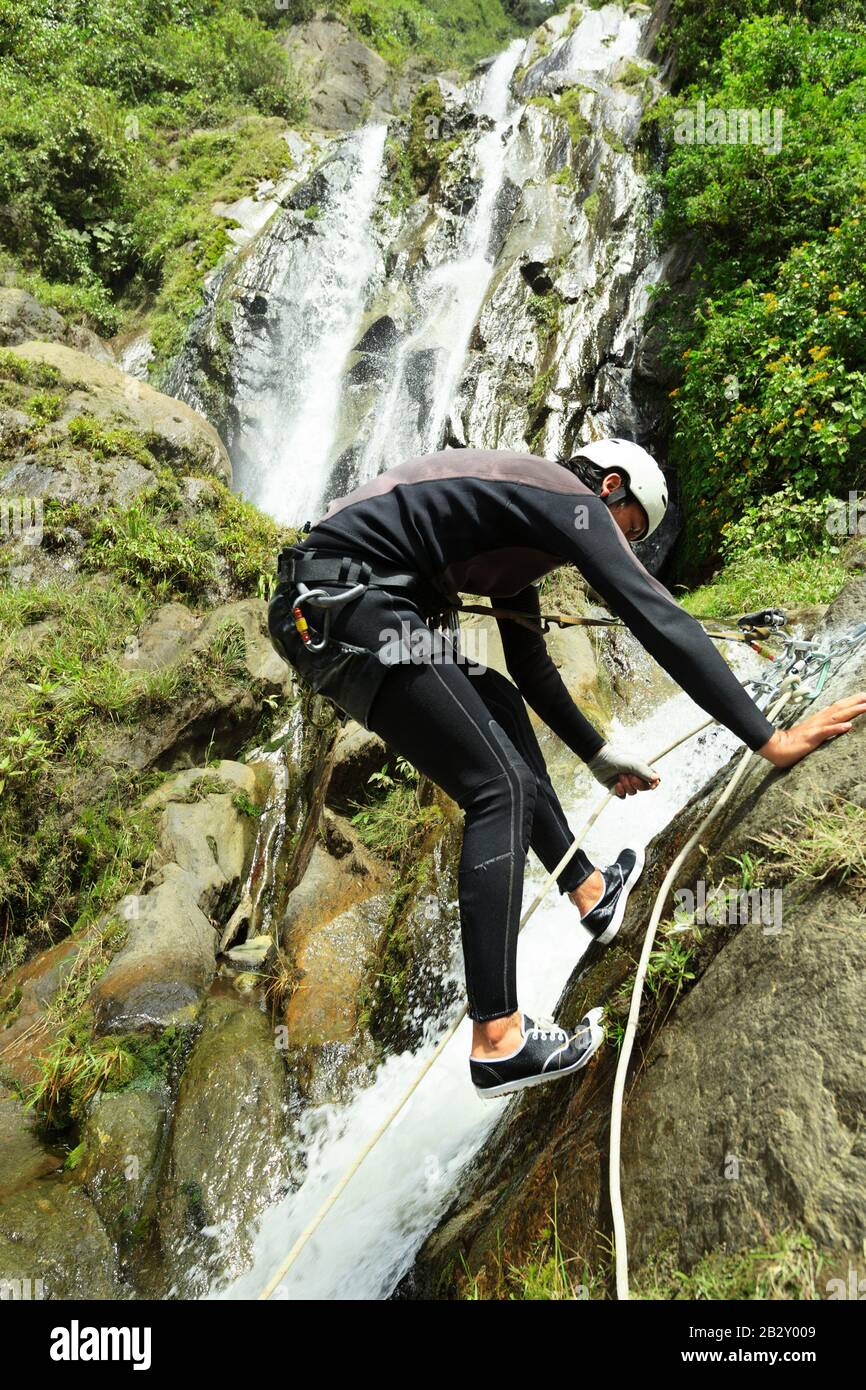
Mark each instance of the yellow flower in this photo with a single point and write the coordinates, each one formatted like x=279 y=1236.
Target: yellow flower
x=675 y=392
x=801 y=411
x=817 y=424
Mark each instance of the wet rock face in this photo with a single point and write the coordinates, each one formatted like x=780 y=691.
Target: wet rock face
x=52 y=1228
x=122 y=1139
x=741 y=1115
x=228 y=1153
x=159 y=976
x=23 y=1159
x=329 y=930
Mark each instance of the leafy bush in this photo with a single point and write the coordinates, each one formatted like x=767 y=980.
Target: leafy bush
x=88 y=96
x=747 y=206
x=768 y=411
x=773 y=392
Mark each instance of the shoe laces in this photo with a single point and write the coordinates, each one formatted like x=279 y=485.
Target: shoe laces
x=545 y=1028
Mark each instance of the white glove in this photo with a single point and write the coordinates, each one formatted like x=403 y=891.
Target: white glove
x=610 y=763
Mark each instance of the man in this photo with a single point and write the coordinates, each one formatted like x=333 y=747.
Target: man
x=391 y=554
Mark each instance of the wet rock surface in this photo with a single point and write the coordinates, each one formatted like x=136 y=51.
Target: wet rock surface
x=755 y=1071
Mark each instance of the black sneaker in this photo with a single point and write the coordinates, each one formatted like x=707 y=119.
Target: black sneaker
x=546 y=1052
x=605 y=919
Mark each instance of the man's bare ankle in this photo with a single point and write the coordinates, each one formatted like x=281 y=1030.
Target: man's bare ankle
x=496 y=1036
x=587 y=894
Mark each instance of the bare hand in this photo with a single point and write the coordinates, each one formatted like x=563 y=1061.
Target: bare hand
x=627 y=784
x=788 y=746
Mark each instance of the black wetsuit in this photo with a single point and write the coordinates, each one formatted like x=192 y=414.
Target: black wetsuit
x=493 y=522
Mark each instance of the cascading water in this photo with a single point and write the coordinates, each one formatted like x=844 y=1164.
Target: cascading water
x=288 y=390
x=411 y=418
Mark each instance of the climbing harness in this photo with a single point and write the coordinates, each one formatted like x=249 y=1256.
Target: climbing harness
x=300 y=615
x=803 y=672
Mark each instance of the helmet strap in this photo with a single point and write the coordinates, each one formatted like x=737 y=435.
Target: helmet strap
x=618 y=495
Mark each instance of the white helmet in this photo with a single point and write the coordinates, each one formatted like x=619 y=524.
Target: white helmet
x=646 y=482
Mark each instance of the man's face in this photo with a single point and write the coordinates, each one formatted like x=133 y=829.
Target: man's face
x=629 y=515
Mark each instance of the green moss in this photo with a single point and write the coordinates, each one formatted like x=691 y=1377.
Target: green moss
x=785 y=1266
x=566 y=107
x=426 y=149
x=590 y=206
x=764 y=581
x=27 y=373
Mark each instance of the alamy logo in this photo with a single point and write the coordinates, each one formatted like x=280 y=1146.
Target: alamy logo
x=699 y=125
x=419 y=646
x=21 y=1290
x=735 y=907
x=77 y=1343
x=21 y=519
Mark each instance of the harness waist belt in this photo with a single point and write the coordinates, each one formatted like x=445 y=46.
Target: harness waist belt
x=307 y=566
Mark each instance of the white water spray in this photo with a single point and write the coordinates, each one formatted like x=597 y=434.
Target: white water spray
x=289 y=409
x=412 y=417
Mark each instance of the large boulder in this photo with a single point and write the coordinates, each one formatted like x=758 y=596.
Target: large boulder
x=159 y=976
x=228 y=1152
x=329 y=930
x=203 y=720
x=23 y=1158
x=346 y=81
x=121 y=1138
x=52 y=1241
x=23 y=318
x=104 y=391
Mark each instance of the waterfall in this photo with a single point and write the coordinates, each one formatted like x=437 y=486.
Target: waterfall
x=411 y=418
x=309 y=299
x=501 y=308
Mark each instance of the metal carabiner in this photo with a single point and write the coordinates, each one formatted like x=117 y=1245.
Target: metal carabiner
x=319 y=598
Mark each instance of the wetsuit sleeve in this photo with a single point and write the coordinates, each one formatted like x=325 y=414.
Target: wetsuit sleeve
x=670 y=634
x=531 y=668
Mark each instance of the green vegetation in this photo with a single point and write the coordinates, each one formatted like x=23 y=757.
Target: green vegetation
x=786 y=1266
x=121 y=123
x=441 y=34
x=392 y=822
x=547 y=1273
x=769 y=408
x=71 y=839
x=421 y=162
x=566 y=107
x=823 y=840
